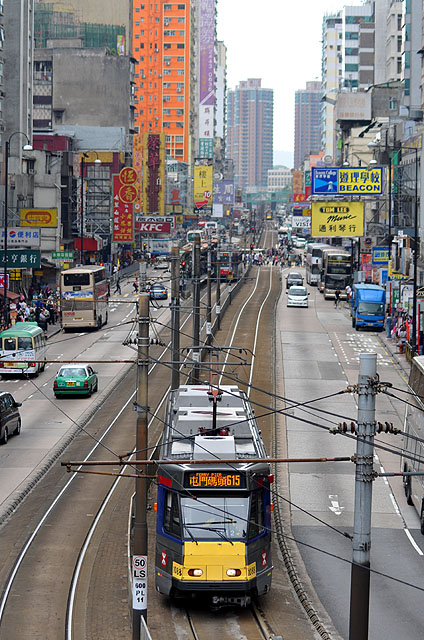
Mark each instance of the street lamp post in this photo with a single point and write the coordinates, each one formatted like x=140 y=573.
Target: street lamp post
x=26 y=147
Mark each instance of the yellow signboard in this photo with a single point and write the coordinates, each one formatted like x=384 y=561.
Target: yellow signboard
x=332 y=219
x=363 y=181
x=395 y=275
x=38 y=217
x=203 y=186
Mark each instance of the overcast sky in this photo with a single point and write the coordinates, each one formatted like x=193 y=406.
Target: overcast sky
x=278 y=41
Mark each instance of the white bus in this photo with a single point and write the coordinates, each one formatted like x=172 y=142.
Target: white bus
x=314 y=262
x=413 y=439
x=83 y=297
x=22 y=348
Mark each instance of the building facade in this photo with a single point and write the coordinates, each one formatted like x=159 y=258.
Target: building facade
x=331 y=69
x=307 y=124
x=250 y=132
x=279 y=178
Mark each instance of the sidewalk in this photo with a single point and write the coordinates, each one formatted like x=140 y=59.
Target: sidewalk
x=392 y=347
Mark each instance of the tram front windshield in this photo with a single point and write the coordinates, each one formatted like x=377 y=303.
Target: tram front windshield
x=215 y=517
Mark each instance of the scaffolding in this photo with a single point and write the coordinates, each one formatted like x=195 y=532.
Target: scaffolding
x=54 y=21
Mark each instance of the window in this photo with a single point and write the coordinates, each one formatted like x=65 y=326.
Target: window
x=181 y=6
x=167 y=7
x=180 y=45
x=180 y=58
x=399 y=22
x=169 y=32
x=167 y=45
x=181 y=20
x=171 y=515
x=352 y=35
x=351 y=67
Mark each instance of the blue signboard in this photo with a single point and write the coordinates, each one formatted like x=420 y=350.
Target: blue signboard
x=347 y=181
x=324 y=181
x=380 y=256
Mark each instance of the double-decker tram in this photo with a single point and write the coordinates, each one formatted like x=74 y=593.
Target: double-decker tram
x=83 y=297
x=213 y=530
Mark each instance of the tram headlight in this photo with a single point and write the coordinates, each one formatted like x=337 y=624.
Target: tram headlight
x=233 y=573
x=196 y=573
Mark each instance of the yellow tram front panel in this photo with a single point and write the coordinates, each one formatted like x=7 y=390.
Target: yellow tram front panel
x=214 y=559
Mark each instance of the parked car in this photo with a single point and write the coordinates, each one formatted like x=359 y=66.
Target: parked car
x=158 y=292
x=75 y=379
x=10 y=419
x=297 y=297
x=294 y=278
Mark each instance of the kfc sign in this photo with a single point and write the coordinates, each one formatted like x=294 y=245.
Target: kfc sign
x=153 y=227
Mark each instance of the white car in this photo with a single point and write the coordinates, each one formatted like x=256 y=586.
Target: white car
x=299 y=243
x=297 y=296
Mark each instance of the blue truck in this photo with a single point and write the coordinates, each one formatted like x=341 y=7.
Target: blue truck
x=368 y=304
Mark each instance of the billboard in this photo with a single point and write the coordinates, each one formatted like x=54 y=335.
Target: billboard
x=297 y=178
x=203 y=186
x=154 y=173
x=207 y=77
x=223 y=192
x=333 y=219
x=17 y=237
x=38 y=217
x=347 y=181
x=122 y=215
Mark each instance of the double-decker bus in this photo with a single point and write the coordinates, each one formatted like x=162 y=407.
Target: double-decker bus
x=337 y=268
x=83 y=297
x=413 y=440
x=314 y=262
x=22 y=349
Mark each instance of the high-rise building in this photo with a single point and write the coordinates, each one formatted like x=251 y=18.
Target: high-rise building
x=250 y=132
x=412 y=43
x=161 y=47
x=332 y=77
x=358 y=46
x=307 y=129
x=393 y=51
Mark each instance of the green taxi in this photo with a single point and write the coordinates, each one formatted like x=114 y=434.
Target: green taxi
x=75 y=379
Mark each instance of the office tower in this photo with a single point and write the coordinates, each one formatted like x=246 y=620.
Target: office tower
x=332 y=77
x=307 y=130
x=393 y=50
x=412 y=43
x=250 y=132
x=161 y=48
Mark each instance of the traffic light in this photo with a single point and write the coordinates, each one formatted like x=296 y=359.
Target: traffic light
x=251 y=246
x=144 y=246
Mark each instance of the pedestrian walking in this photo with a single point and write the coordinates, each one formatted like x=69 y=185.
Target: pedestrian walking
x=388 y=324
x=118 y=286
x=336 y=298
x=135 y=285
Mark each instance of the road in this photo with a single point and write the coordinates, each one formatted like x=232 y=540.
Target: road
x=319 y=352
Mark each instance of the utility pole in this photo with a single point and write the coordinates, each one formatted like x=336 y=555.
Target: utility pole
x=360 y=574
x=196 y=309
x=175 y=317
x=218 y=286
x=143 y=275
x=209 y=305
x=139 y=559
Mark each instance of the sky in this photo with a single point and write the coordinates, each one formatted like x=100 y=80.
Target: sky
x=278 y=41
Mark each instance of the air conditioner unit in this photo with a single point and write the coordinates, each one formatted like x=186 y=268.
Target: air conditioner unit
x=416 y=114
x=178 y=90
x=167 y=62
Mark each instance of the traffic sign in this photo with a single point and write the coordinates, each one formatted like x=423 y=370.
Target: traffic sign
x=139 y=590
x=2 y=281
x=65 y=256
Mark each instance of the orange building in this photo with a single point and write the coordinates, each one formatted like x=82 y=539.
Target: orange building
x=161 y=47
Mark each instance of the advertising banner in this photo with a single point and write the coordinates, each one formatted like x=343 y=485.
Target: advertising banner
x=122 y=216
x=223 y=192
x=171 y=220
x=153 y=227
x=347 y=181
x=333 y=219
x=154 y=173
x=203 y=186
x=297 y=181
x=21 y=258
x=38 y=217
x=17 y=237
x=380 y=256
x=207 y=77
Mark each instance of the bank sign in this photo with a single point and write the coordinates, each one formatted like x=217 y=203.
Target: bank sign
x=347 y=181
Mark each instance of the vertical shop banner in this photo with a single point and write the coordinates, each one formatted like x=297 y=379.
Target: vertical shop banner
x=122 y=216
x=154 y=173
x=138 y=165
x=207 y=78
x=203 y=187
x=297 y=177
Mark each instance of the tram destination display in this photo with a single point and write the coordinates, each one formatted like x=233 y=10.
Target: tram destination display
x=214 y=480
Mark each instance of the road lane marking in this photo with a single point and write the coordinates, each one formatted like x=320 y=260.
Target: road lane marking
x=412 y=541
x=335 y=506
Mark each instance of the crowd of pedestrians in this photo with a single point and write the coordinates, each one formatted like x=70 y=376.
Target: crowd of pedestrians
x=398 y=326
x=40 y=306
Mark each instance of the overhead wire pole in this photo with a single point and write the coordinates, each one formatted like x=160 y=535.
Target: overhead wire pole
x=139 y=559
x=175 y=317
x=360 y=574
x=196 y=310
x=209 y=303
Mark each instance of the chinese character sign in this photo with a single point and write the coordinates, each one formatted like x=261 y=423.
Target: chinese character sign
x=332 y=219
x=223 y=192
x=17 y=237
x=207 y=77
x=21 y=258
x=347 y=181
x=297 y=181
x=122 y=214
x=154 y=173
x=203 y=186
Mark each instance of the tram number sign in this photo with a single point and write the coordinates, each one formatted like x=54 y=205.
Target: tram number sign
x=139 y=591
x=214 y=480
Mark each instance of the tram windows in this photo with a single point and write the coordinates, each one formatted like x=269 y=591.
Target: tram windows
x=257 y=514
x=171 y=518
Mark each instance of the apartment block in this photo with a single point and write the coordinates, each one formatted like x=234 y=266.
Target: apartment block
x=307 y=122
x=332 y=78
x=162 y=33
x=250 y=132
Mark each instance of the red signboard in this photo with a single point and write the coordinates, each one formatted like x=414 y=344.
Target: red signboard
x=153 y=227
x=123 y=217
x=2 y=280
x=299 y=197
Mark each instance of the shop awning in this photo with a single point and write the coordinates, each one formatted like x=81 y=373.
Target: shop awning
x=10 y=294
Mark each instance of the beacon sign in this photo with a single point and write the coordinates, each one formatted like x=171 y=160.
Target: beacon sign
x=347 y=181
